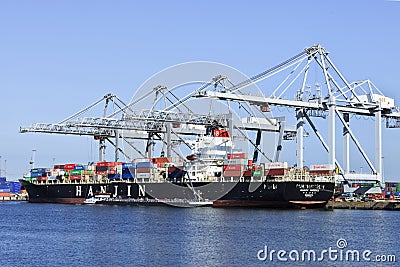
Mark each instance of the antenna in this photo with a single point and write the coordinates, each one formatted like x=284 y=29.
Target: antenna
x=32 y=162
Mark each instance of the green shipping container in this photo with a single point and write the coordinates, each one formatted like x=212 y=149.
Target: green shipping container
x=398 y=188
x=257 y=173
x=76 y=172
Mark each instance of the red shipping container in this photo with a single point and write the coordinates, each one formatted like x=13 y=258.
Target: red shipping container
x=40 y=179
x=247 y=173
x=143 y=170
x=274 y=172
x=237 y=156
x=4 y=194
x=233 y=167
x=75 y=177
x=61 y=167
x=110 y=164
x=70 y=166
x=232 y=173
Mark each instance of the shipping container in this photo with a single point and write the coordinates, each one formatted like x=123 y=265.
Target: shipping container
x=129 y=165
x=232 y=173
x=77 y=172
x=102 y=168
x=3 y=179
x=109 y=164
x=276 y=165
x=247 y=173
x=38 y=174
x=235 y=161
x=113 y=176
x=6 y=194
x=257 y=173
x=75 y=177
x=41 y=179
x=5 y=190
x=79 y=168
x=128 y=176
x=59 y=167
x=143 y=175
x=128 y=170
x=38 y=170
x=232 y=167
x=15 y=184
x=146 y=164
x=70 y=166
x=173 y=174
x=143 y=170
x=4 y=186
x=321 y=167
x=274 y=172
x=321 y=172
x=237 y=156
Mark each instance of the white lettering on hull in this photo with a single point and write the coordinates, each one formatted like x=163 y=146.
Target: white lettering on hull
x=115 y=190
x=90 y=193
x=78 y=191
x=103 y=189
x=129 y=191
x=142 y=190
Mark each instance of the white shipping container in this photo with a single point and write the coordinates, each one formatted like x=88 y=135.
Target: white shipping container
x=321 y=167
x=143 y=175
x=276 y=165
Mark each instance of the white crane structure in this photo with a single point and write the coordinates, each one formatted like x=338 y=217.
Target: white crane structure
x=335 y=100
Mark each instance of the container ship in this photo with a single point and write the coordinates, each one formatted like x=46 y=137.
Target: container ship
x=214 y=174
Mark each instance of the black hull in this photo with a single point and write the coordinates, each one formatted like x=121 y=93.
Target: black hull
x=222 y=194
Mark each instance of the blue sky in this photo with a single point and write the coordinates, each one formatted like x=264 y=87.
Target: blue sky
x=59 y=56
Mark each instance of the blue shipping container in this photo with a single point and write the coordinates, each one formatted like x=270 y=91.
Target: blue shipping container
x=3 y=179
x=130 y=170
x=79 y=168
x=146 y=164
x=38 y=170
x=127 y=176
x=128 y=165
x=4 y=186
x=113 y=176
x=37 y=174
x=15 y=190
x=5 y=190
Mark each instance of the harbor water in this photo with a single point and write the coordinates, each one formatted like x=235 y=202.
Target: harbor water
x=96 y=235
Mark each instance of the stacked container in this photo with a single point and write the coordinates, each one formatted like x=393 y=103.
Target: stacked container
x=4 y=187
x=175 y=173
x=276 y=168
x=15 y=187
x=234 y=165
x=40 y=174
x=128 y=170
x=321 y=169
x=110 y=169
x=144 y=169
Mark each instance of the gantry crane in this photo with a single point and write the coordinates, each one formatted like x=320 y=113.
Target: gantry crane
x=335 y=98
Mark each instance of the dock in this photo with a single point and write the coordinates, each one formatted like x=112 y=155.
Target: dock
x=14 y=197
x=365 y=205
